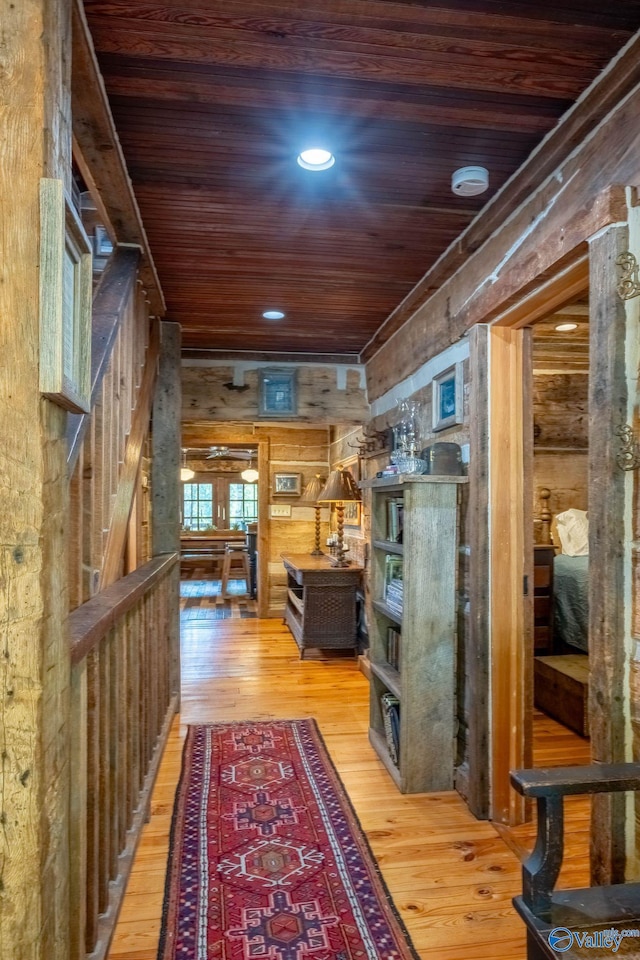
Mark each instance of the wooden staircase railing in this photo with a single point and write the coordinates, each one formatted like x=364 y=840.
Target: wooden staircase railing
x=106 y=445
x=124 y=622
x=124 y=696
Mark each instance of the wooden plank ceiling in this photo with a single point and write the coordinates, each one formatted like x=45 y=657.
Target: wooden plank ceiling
x=213 y=100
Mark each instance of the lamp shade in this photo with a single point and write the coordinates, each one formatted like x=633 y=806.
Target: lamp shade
x=186 y=473
x=250 y=475
x=340 y=487
x=312 y=489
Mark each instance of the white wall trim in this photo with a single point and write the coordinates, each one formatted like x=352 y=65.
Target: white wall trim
x=240 y=367
x=422 y=377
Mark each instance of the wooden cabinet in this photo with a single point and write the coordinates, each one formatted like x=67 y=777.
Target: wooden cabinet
x=543 y=597
x=412 y=628
x=321 y=602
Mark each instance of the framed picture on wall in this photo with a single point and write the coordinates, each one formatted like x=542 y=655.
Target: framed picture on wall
x=278 y=394
x=287 y=484
x=447 y=398
x=65 y=301
x=352 y=509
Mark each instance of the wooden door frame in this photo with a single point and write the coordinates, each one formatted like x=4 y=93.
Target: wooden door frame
x=608 y=493
x=210 y=437
x=511 y=564
x=502 y=738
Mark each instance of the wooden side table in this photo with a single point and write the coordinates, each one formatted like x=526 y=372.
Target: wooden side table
x=321 y=603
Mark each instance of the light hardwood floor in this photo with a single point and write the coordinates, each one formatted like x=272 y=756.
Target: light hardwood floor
x=451 y=876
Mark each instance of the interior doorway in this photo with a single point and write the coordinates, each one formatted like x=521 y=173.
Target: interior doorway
x=225 y=509
x=511 y=529
x=560 y=479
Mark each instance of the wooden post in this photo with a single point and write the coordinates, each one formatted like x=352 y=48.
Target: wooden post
x=165 y=471
x=166 y=489
x=34 y=655
x=511 y=563
x=478 y=652
x=607 y=411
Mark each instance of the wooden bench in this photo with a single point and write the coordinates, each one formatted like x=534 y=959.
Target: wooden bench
x=207 y=551
x=584 y=912
x=561 y=689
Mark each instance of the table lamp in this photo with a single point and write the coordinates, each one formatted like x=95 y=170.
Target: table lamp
x=340 y=488
x=310 y=495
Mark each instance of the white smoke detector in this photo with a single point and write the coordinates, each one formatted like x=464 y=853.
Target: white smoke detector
x=470 y=181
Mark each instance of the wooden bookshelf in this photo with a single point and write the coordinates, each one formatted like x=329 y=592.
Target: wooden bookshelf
x=424 y=683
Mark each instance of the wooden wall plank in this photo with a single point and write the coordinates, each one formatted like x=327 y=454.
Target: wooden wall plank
x=166 y=440
x=34 y=666
x=208 y=392
x=478 y=653
x=516 y=259
x=607 y=410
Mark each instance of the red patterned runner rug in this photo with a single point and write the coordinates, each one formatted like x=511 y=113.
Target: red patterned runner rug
x=267 y=859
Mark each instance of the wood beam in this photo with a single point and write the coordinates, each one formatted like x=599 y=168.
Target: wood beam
x=478 y=652
x=35 y=785
x=474 y=279
x=99 y=146
x=607 y=410
x=548 y=296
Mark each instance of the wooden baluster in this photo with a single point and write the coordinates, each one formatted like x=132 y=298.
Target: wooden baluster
x=113 y=828
x=104 y=761
x=93 y=798
x=78 y=811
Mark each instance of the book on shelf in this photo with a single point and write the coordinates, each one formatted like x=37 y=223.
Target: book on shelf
x=394 y=658
x=391 y=722
x=395 y=507
x=393 y=583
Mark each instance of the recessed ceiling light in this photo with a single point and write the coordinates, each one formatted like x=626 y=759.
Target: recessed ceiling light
x=565 y=327
x=273 y=315
x=316 y=158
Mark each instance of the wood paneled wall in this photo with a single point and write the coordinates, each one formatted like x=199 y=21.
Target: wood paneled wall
x=561 y=443
x=221 y=402
x=326 y=394
x=292 y=448
x=34 y=666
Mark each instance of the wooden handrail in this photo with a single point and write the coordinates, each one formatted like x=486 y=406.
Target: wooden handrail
x=92 y=621
x=116 y=287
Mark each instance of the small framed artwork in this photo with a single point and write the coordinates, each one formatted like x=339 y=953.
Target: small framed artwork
x=65 y=301
x=447 y=398
x=278 y=395
x=352 y=508
x=287 y=484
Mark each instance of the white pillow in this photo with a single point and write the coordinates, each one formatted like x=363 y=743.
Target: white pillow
x=573 y=529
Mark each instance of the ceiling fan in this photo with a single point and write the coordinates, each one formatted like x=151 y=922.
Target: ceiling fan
x=228 y=453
